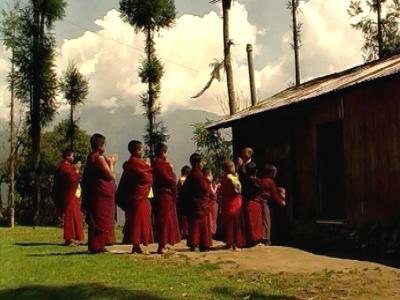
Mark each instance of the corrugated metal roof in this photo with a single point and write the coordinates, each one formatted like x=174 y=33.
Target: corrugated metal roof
x=318 y=87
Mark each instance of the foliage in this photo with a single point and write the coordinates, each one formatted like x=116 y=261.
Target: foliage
x=369 y=26
x=53 y=143
x=213 y=146
x=75 y=88
x=149 y=16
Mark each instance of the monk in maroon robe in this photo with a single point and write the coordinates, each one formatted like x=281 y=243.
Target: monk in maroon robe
x=231 y=208
x=182 y=219
x=273 y=197
x=66 y=182
x=195 y=192
x=133 y=197
x=164 y=188
x=98 y=195
x=253 y=206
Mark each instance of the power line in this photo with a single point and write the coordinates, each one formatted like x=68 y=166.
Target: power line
x=129 y=46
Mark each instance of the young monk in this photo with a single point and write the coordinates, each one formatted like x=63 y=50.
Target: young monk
x=213 y=200
x=231 y=204
x=164 y=187
x=272 y=196
x=133 y=196
x=66 y=183
x=98 y=194
x=182 y=219
x=195 y=193
x=253 y=207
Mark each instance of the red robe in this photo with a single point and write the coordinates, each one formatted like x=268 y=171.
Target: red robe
x=231 y=214
x=182 y=219
x=66 y=183
x=196 y=199
x=164 y=188
x=132 y=196
x=98 y=200
x=253 y=212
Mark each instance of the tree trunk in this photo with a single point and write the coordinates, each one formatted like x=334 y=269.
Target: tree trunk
x=11 y=159
x=35 y=117
x=227 y=57
x=380 y=28
x=296 y=40
x=72 y=127
x=151 y=92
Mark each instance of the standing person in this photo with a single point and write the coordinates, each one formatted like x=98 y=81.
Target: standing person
x=182 y=219
x=273 y=197
x=133 y=196
x=213 y=200
x=164 y=187
x=195 y=194
x=253 y=207
x=66 y=183
x=98 y=194
x=245 y=158
x=231 y=208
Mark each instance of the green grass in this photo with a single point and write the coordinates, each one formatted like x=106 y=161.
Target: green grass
x=35 y=266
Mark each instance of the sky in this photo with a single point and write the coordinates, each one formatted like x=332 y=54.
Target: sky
x=109 y=52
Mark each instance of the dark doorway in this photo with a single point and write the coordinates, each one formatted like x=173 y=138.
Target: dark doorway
x=330 y=155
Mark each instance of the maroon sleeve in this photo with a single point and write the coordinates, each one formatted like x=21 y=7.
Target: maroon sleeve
x=165 y=176
x=275 y=195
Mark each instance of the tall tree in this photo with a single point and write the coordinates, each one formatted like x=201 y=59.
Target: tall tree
x=75 y=88
x=149 y=17
x=382 y=32
x=45 y=14
x=226 y=6
x=9 y=26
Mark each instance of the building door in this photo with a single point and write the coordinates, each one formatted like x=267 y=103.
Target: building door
x=330 y=155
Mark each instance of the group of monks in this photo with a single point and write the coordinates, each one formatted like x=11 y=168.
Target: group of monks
x=158 y=207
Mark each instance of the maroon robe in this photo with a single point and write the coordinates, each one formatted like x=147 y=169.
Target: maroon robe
x=182 y=219
x=164 y=188
x=132 y=196
x=98 y=200
x=195 y=192
x=66 y=183
x=231 y=214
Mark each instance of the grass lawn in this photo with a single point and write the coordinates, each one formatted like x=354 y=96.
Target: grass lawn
x=35 y=266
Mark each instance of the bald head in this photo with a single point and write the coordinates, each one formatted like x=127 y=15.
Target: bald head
x=246 y=154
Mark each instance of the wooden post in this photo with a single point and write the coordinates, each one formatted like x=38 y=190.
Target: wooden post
x=250 y=59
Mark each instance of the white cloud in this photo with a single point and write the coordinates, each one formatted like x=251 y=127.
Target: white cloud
x=111 y=56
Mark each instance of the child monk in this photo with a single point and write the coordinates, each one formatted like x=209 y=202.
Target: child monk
x=164 y=188
x=253 y=206
x=98 y=194
x=133 y=196
x=213 y=199
x=196 y=198
x=272 y=196
x=182 y=219
x=231 y=204
x=66 y=183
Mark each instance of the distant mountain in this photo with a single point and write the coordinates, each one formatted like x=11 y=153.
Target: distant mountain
x=121 y=125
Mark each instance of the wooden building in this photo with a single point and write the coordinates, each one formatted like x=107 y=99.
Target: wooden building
x=335 y=141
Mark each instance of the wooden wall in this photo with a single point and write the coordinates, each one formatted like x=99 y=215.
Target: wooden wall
x=371 y=125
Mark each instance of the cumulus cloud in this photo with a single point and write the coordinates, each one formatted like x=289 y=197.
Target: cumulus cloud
x=111 y=56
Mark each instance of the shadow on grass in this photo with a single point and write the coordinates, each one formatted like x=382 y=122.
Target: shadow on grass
x=81 y=291
x=38 y=244
x=62 y=254
x=229 y=293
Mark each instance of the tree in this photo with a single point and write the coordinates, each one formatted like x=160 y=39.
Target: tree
x=382 y=33
x=213 y=146
x=75 y=88
x=149 y=17
x=36 y=78
x=9 y=26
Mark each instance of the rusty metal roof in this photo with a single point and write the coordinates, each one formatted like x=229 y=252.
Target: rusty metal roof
x=318 y=87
